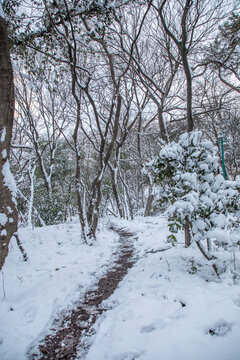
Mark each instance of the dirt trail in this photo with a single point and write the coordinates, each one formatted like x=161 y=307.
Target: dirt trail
x=69 y=330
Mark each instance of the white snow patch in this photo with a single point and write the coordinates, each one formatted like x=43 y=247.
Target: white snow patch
x=8 y=178
x=1 y=10
x=4 y=154
x=3 y=219
x=4 y=132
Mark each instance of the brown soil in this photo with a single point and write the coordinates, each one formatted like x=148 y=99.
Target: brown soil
x=69 y=331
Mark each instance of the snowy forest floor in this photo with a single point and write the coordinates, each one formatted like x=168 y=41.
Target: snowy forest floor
x=170 y=305
x=73 y=326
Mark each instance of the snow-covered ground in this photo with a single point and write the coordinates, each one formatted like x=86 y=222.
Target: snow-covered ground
x=59 y=270
x=169 y=306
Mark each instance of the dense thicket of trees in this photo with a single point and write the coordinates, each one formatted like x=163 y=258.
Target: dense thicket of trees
x=101 y=85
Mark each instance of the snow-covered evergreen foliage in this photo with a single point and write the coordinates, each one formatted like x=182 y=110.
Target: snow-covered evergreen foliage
x=197 y=194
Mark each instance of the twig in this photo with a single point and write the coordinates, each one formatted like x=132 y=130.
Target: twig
x=167 y=263
x=111 y=212
x=24 y=254
x=159 y=250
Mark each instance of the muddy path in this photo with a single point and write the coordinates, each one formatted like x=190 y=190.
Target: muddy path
x=70 y=330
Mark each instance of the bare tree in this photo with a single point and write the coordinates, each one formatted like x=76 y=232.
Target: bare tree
x=188 y=23
x=223 y=54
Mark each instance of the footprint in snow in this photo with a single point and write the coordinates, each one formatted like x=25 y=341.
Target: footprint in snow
x=30 y=314
x=148 y=329
x=220 y=328
x=237 y=301
x=127 y=356
x=152 y=327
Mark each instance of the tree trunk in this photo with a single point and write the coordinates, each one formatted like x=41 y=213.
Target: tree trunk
x=115 y=192
x=81 y=202
x=96 y=210
x=8 y=211
x=149 y=205
x=187 y=227
x=162 y=127
x=189 y=90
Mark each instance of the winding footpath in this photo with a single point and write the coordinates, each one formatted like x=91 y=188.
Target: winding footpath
x=70 y=331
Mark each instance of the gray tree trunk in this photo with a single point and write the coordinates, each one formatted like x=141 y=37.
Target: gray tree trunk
x=149 y=205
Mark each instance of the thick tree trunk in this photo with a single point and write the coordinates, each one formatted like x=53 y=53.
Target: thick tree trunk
x=8 y=211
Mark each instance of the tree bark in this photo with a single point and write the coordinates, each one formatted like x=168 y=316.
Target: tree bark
x=162 y=128
x=115 y=192
x=149 y=205
x=8 y=211
x=187 y=233
x=189 y=90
